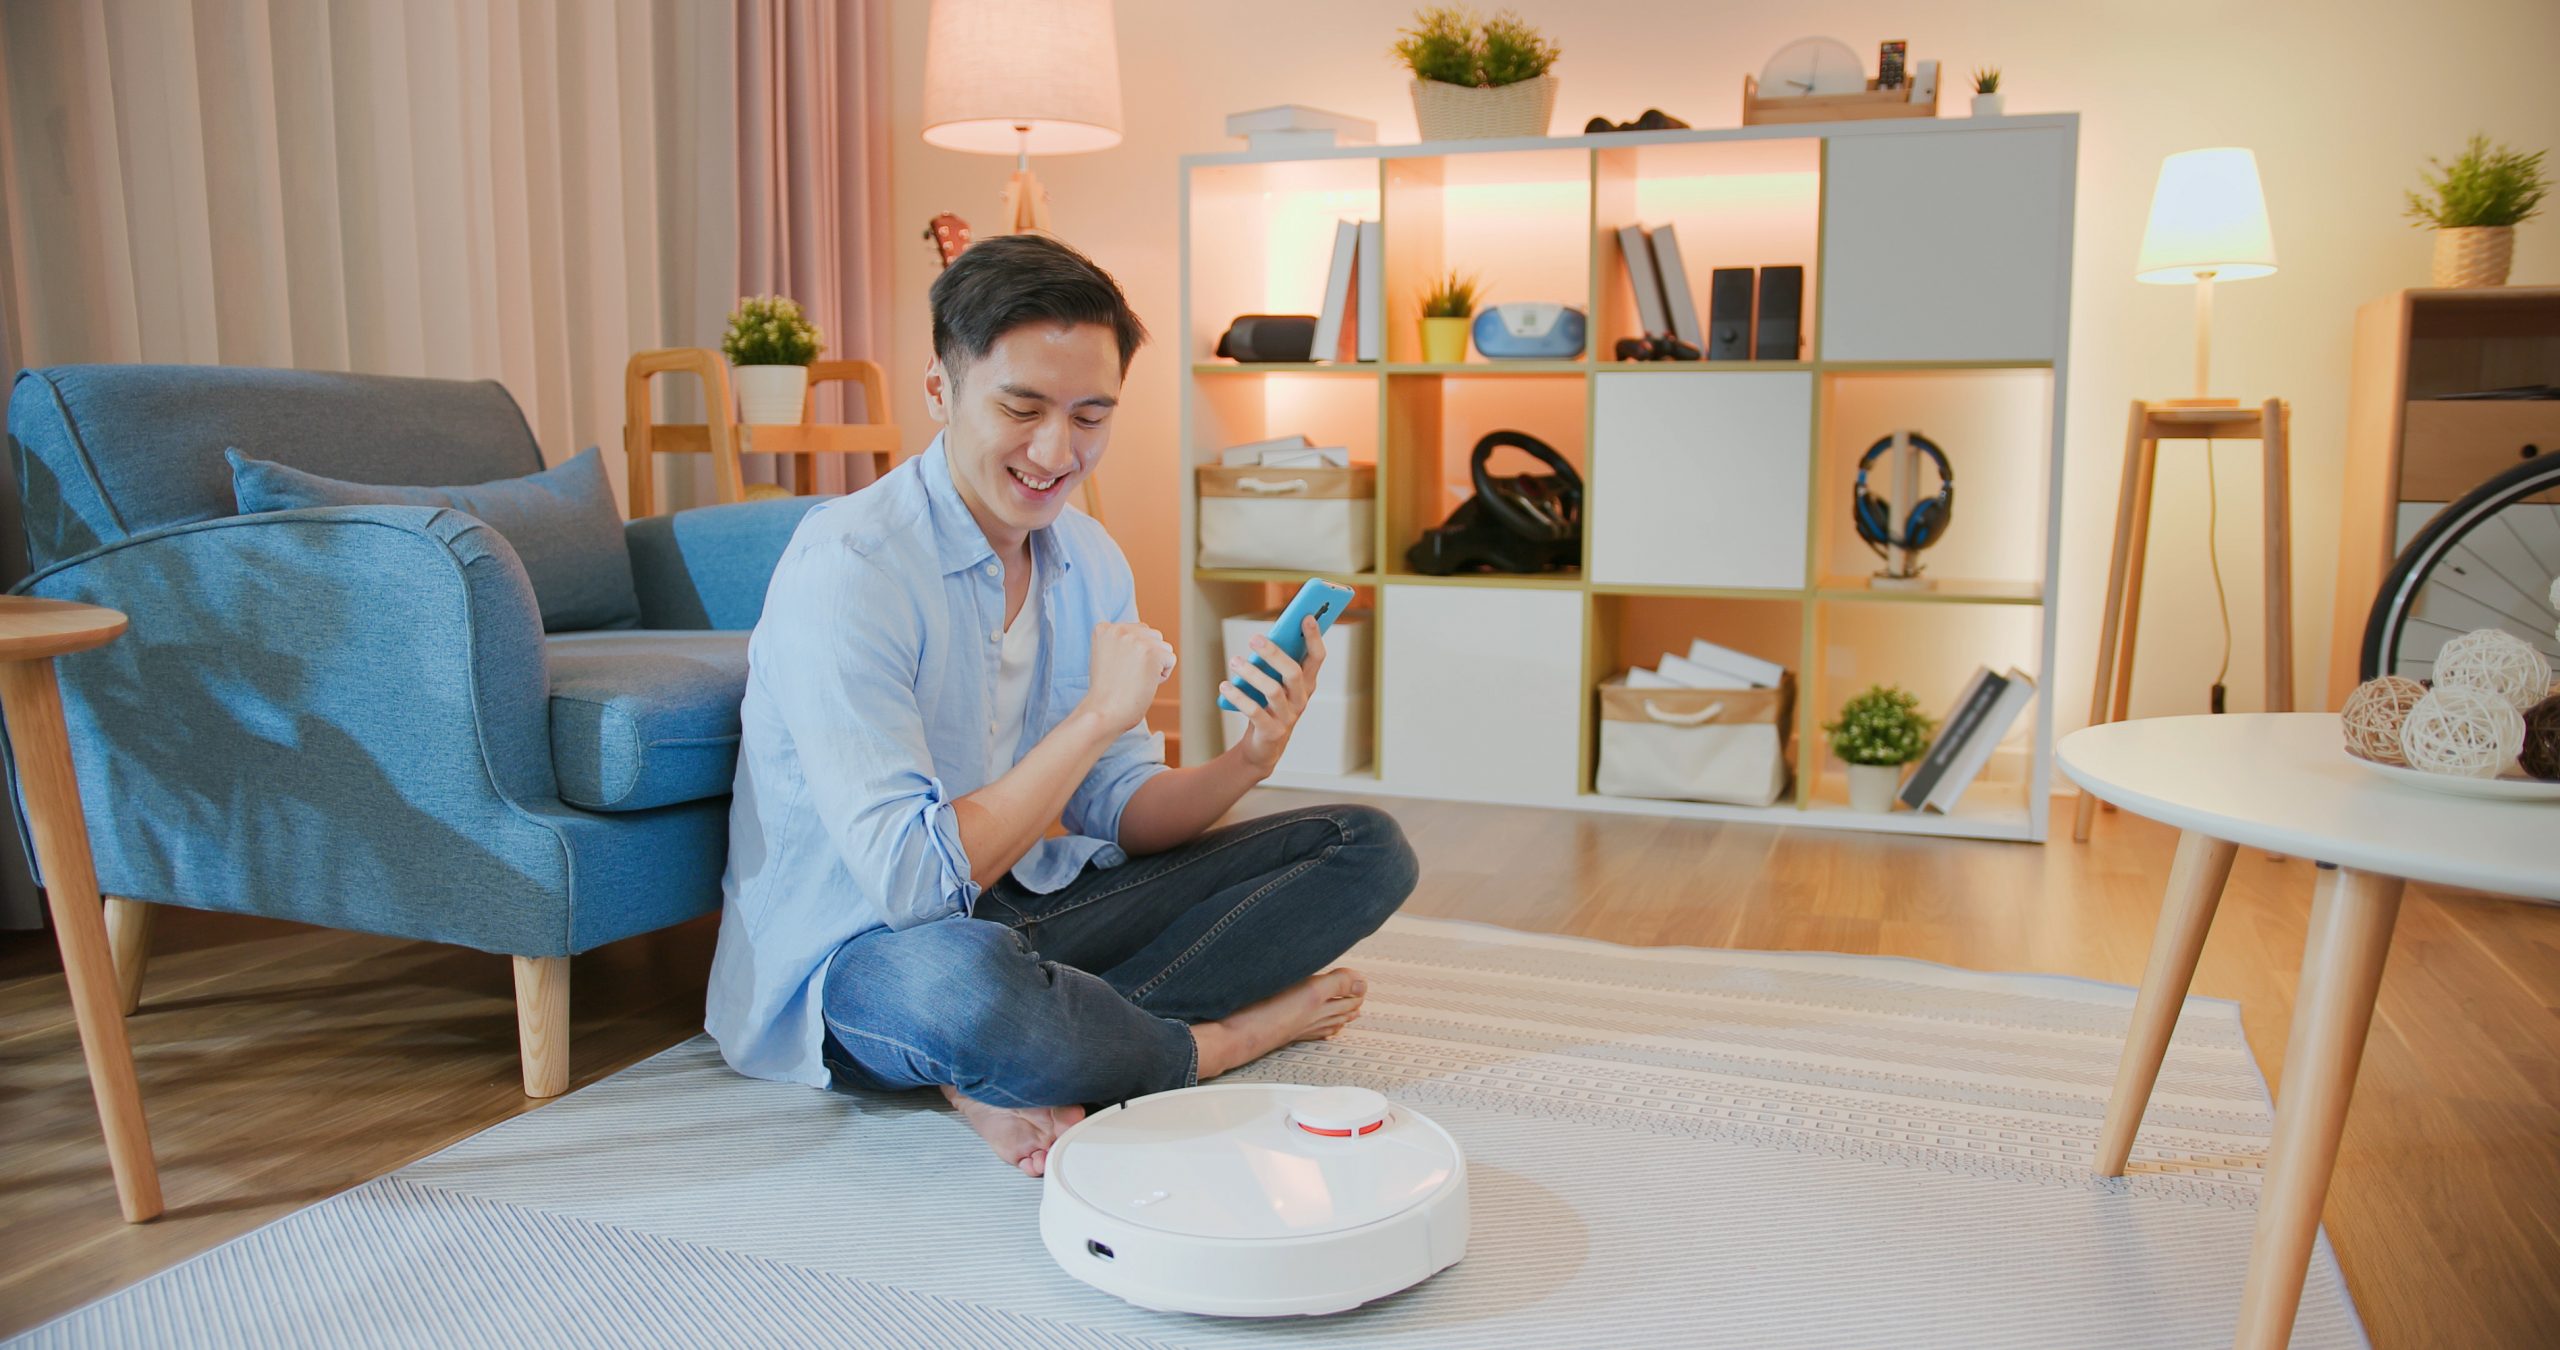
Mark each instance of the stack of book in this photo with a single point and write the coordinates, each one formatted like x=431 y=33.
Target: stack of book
x=1708 y=666
x=1285 y=452
x=1352 y=326
x=1982 y=714
x=1660 y=279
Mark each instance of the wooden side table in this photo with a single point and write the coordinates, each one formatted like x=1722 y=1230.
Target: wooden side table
x=32 y=633
x=2283 y=782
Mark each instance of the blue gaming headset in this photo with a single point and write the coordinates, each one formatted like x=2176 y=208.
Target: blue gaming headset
x=1927 y=521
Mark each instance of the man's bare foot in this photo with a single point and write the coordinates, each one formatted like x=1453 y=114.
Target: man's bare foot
x=1021 y=1136
x=1314 y=1009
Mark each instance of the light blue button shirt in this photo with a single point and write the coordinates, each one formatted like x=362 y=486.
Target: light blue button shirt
x=871 y=686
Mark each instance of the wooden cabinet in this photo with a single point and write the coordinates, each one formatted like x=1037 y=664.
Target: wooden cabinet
x=2410 y=448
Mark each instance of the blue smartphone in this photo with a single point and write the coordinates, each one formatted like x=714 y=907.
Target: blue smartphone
x=1318 y=599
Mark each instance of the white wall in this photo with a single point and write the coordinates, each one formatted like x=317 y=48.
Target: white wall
x=2342 y=103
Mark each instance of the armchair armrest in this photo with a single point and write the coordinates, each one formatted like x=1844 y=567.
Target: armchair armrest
x=708 y=567
x=338 y=715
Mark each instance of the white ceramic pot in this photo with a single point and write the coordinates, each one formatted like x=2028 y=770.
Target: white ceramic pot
x=1871 y=786
x=1456 y=112
x=770 y=394
x=1987 y=105
x=2474 y=255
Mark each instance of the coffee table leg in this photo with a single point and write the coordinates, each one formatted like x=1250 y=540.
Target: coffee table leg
x=2342 y=958
x=2186 y=912
x=32 y=702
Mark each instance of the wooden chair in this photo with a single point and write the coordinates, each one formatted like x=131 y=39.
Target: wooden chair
x=726 y=439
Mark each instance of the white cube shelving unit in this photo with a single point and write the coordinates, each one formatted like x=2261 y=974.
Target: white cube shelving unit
x=1937 y=257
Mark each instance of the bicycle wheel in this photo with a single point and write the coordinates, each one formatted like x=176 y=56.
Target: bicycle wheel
x=2486 y=561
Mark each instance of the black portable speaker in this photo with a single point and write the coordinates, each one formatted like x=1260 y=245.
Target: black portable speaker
x=1781 y=335
x=1729 y=315
x=1269 y=337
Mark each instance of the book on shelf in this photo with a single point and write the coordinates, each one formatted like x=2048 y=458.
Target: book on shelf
x=1337 y=293
x=1312 y=457
x=1982 y=713
x=1675 y=292
x=1740 y=665
x=1641 y=678
x=1371 y=271
x=2017 y=691
x=1638 y=253
x=1972 y=702
x=1251 y=452
x=1297 y=117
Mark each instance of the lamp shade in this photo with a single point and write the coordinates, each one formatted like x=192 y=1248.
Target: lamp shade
x=993 y=68
x=2208 y=214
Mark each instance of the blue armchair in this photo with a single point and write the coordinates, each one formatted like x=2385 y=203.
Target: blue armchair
x=351 y=716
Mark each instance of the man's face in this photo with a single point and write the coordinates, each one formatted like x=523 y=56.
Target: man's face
x=1026 y=422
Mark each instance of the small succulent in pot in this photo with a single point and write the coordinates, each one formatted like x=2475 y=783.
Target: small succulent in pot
x=1877 y=733
x=1447 y=305
x=2474 y=205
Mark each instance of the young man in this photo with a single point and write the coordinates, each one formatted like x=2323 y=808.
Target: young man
x=950 y=662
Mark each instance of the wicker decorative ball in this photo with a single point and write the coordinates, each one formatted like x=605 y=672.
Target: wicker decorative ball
x=2373 y=716
x=2541 y=754
x=2462 y=730
x=2497 y=661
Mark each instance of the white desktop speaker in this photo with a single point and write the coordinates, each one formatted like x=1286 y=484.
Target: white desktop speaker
x=1255 y=1200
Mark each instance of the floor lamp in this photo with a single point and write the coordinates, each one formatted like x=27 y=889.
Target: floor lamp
x=1022 y=78
x=2208 y=224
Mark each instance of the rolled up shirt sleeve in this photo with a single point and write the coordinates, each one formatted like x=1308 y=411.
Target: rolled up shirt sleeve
x=844 y=679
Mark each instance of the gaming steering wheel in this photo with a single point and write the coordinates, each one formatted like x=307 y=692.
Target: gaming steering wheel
x=1541 y=508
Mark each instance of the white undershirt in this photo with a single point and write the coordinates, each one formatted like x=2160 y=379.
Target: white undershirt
x=1020 y=652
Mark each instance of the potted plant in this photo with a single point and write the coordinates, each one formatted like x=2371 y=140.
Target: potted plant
x=2474 y=205
x=1878 y=732
x=1986 y=91
x=1476 y=78
x=771 y=343
x=1447 y=308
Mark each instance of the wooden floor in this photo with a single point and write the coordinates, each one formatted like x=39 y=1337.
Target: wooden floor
x=281 y=1064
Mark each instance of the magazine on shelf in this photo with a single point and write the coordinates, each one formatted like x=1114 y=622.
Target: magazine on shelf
x=1337 y=293
x=1371 y=271
x=1638 y=252
x=1691 y=675
x=1978 y=695
x=2017 y=691
x=1675 y=293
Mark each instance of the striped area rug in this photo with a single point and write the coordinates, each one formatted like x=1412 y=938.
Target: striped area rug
x=1665 y=1147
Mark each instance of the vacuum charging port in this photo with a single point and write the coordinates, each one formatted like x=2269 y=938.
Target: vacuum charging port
x=1097 y=1249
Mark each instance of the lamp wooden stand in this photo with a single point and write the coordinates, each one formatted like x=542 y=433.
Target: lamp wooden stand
x=2208 y=419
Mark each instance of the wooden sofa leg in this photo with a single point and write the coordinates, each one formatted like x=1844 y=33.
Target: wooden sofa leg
x=129 y=941
x=542 y=1023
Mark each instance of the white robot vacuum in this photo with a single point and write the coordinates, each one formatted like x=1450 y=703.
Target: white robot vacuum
x=1255 y=1200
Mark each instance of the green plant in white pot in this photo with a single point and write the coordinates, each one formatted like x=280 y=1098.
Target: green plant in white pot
x=1448 y=307
x=2474 y=205
x=771 y=343
x=1877 y=733
x=1477 y=78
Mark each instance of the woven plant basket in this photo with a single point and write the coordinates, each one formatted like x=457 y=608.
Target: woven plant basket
x=1456 y=112
x=2474 y=255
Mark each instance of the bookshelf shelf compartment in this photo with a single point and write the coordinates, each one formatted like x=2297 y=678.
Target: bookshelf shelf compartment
x=1715 y=506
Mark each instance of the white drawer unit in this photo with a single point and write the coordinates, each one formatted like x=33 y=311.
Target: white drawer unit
x=1482 y=684
x=1941 y=247
x=1685 y=468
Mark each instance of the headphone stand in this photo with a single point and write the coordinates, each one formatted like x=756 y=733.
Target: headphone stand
x=1901 y=571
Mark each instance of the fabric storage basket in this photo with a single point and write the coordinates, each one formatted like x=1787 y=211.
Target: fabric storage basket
x=1303 y=520
x=1698 y=745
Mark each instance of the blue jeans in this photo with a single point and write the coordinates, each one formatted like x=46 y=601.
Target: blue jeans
x=1085 y=995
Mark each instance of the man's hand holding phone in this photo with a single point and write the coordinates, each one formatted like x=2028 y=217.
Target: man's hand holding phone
x=1269 y=724
x=1129 y=661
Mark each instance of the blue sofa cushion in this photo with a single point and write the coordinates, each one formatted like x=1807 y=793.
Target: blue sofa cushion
x=561 y=522
x=647 y=718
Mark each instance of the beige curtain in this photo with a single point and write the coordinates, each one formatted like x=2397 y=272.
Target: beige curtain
x=519 y=189
x=813 y=181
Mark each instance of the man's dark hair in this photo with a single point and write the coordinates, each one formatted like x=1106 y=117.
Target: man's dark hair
x=1000 y=284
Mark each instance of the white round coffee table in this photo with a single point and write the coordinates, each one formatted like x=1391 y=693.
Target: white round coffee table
x=2282 y=782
